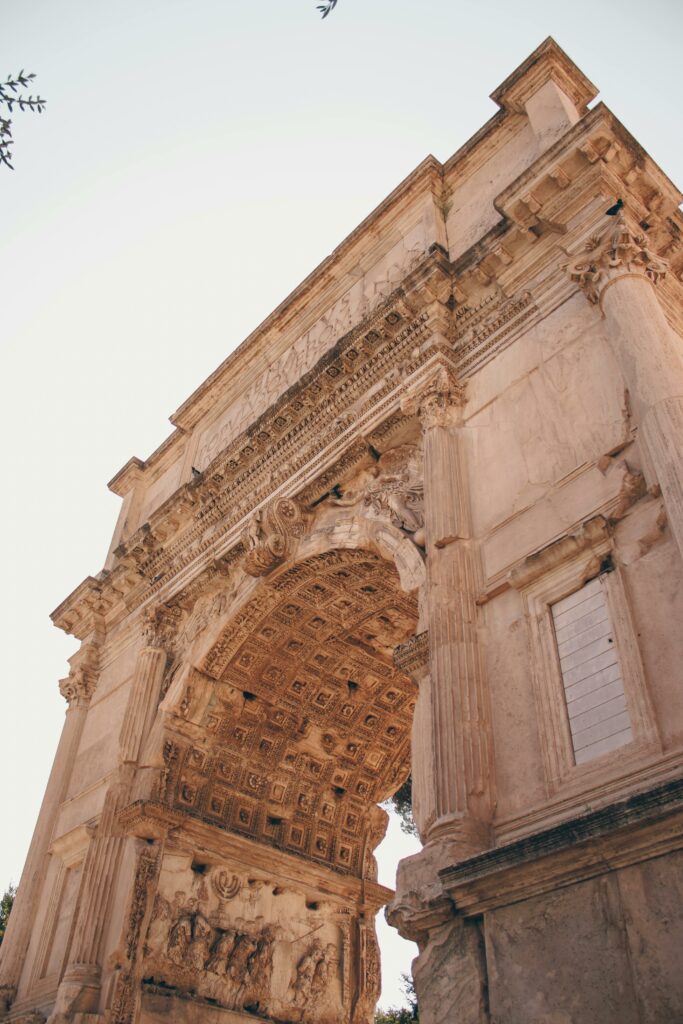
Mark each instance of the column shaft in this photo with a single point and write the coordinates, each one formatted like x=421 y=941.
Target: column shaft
x=459 y=726
x=458 y=701
x=650 y=356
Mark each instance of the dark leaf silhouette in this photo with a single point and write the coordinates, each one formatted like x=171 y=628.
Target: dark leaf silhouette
x=328 y=6
x=9 y=98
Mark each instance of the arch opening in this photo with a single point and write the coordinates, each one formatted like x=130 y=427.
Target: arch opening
x=279 y=743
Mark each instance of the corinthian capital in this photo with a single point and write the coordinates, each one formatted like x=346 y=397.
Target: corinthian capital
x=612 y=255
x=78 y=687
x=436 y=402
x=160 y=625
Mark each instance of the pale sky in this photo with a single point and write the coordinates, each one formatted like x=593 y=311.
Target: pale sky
x=196 y=160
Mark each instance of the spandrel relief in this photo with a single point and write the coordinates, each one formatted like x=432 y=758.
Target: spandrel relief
x=245 y=944
x=392 y=490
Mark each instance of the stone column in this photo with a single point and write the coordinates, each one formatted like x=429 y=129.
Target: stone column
x=459 y=720
x=621 y=274
x=412 y=658
x=77 y=689
x=80 y=987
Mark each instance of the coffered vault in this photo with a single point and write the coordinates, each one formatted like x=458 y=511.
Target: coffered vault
x=428 y=517
x=298 y=722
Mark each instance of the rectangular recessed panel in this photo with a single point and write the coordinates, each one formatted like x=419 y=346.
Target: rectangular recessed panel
x=593 y=687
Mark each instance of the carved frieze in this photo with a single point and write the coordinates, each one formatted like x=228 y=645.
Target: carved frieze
x=226 y=886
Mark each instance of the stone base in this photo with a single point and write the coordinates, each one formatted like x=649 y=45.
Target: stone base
x=605 y=951
x=159 y=1009
x=582 y=922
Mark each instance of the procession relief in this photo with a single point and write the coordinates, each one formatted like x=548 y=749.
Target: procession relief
x=245 y=944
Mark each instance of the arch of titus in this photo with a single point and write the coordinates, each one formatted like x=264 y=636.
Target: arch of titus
x=427 y=518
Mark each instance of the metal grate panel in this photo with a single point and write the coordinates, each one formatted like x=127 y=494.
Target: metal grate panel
x=593 y=687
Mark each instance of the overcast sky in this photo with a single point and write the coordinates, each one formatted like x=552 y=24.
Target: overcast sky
x=196 y=160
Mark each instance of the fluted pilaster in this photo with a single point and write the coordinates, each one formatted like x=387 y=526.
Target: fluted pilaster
x=80 y=988
x=77 y=689
x=459 y=719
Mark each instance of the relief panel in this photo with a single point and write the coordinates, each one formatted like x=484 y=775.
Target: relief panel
x=246 y=943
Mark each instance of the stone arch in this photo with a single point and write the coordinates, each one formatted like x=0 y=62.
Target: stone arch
x=296 y=676
x=283 y=731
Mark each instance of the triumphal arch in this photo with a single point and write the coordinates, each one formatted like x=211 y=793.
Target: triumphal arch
x=427 y=519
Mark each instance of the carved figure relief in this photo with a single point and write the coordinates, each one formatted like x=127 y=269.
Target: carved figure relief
x=312 y=974
x=391 y=490
x=227 y=886
x=249 y=957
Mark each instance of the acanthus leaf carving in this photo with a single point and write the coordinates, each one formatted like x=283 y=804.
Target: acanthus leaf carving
x=610 y=255
x=145 y=872
x=79 y=686
x=436 y=402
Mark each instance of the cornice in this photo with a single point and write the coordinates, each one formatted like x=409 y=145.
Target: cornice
x=547 y=63
x=337 y=270
x=127 y=477
x=81 y=612
x=646 y=825
x=597 y=155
